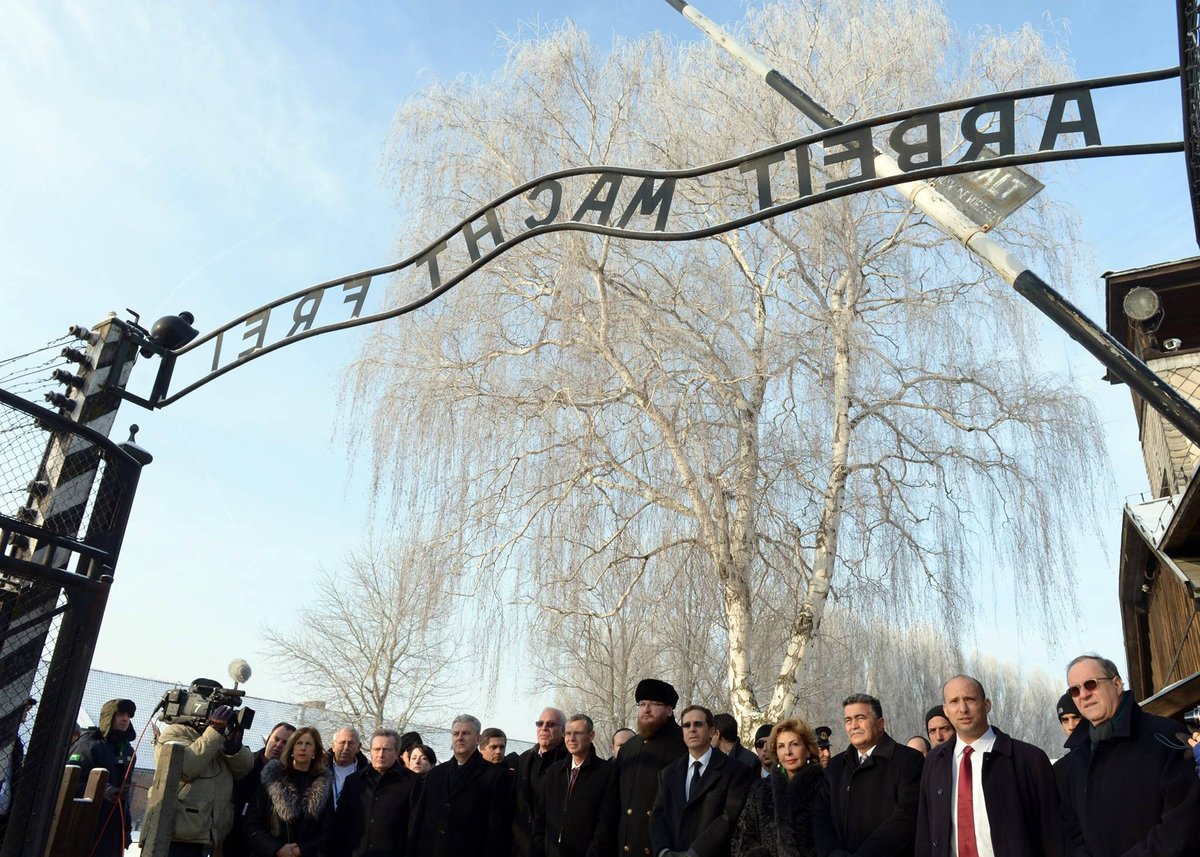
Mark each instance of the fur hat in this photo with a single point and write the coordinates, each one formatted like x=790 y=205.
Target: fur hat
x=655 y=690
x=1066 y=705
x=111 y=709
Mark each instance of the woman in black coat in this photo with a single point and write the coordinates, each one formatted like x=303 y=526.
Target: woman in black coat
x=292 y=815
x=777 y=820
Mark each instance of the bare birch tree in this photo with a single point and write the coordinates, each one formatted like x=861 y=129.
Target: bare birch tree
x=834 y=403
x=378 y=643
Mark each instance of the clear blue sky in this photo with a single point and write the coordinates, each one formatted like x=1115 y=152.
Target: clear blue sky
x=209 y=157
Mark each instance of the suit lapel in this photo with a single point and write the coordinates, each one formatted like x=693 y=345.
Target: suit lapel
x=472 y=769
x=715 y=763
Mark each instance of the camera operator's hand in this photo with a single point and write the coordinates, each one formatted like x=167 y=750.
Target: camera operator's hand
x=233 y=741
x=219 y=717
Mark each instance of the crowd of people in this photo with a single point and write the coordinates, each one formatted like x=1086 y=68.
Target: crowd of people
x=684 y=785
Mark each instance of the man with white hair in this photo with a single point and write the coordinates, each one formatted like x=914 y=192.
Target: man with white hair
x=465 y=806
x=1130 y=785
x=345 y=758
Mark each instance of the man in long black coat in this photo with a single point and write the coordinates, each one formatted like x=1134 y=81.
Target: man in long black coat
x=373 y=813
x=245 y=789
x=531 y=769
x=658 y=743
x=576 y=816
x=700 y=795
x=466 y=804
x=1020 y=797
x=1130 y=784
x=868 y=803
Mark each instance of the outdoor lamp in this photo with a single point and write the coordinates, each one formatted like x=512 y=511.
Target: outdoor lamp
x=1141 y=304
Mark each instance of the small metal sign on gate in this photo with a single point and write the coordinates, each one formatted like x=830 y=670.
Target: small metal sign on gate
x=989 y=196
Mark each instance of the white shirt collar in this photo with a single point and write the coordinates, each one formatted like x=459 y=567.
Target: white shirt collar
x=703 y=760
x=983 y=744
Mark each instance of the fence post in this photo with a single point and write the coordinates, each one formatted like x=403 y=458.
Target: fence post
x=74 y=825
x=160 y=811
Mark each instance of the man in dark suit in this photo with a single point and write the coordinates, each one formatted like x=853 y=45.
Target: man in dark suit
x=728 y=742
x=576 y=816
x=372 y=815
x=658 y=743
x=531 y=770
x=868 y=802
x=1131 y=786
x=465 y=805
x=984 y=794
x=700 y=796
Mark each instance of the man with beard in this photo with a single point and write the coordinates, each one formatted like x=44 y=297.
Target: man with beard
x=659 y=742
x=245 y=788
x=109 y=746
x=465 y=804
x=531 y=770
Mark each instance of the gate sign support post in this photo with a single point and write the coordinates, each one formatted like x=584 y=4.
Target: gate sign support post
x=1119 y=360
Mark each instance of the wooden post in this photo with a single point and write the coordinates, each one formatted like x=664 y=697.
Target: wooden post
x=74 y=823
x=160 y=811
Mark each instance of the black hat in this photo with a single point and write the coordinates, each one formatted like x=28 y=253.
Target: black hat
x=409 y=740
x=1066 y=705
x=936 y=711
x=823 y=734
x=653 y=690
x=763 y=731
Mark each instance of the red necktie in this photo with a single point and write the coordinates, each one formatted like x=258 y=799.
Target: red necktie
x=571 y=782
x=966 y=809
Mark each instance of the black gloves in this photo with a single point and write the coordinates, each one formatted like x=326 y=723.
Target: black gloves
x=233 y=741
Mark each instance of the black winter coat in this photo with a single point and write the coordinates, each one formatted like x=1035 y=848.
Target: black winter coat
x=244 y=790
x=114 y=752
x=638 y=766
x=532 y=767
x=1135 y=794
x=582 y=824
x=463 y=811
x=777 y=820
x=1018 y=789
x=372 y=814
x=702 y=824
x=870 y=810
x=292 y=807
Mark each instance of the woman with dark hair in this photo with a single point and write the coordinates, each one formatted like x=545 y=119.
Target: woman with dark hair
x=292 y=815
x=778 y=818
x=421 y=758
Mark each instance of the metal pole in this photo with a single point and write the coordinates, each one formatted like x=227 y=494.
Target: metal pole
x=1106 y=348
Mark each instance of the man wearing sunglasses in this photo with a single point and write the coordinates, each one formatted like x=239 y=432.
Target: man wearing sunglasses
x=1130 y=786
x=700 y=795
x=532 y=767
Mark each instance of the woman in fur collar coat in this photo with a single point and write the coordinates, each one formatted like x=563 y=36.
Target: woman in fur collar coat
x=778 y=817
x=292 y=814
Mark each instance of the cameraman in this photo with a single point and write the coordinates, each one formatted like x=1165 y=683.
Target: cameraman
x=213 y=758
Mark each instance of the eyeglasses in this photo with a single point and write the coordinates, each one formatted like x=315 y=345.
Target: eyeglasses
x=546 y=724
x=693 y=724
x=760 y=743
x=1090 y=685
